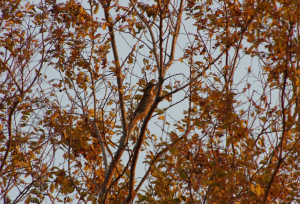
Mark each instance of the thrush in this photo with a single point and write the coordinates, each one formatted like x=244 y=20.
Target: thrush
x=145 y=103
x=143 y=107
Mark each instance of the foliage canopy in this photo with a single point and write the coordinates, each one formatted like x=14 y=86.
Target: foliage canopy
x=221 y=124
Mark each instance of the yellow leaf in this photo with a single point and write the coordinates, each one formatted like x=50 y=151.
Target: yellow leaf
x=54 y=116
x=80 y=9
x=65 y=135
x=19 y=15
x=30 y=7
x=96 y=9
x=181 y=130
x=264 y=119
x=104 y=26
x=261 y=142
x=91 y=112
x=154 y=174
x=217 y=79
x=86 y=168
x=252 y=188
x=52 y=187
x=19 y=99
x=161 y=117
x=92 y=146
x=27 y=201
x=258 y=189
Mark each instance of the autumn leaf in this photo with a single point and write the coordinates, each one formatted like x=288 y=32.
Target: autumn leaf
x=161 y=117
x=200 y=98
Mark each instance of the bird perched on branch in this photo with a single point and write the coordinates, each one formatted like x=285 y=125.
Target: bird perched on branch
x=145 y=103
x=143 y=107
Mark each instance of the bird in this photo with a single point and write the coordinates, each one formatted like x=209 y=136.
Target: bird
x=143 y=107
x=145 y=103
